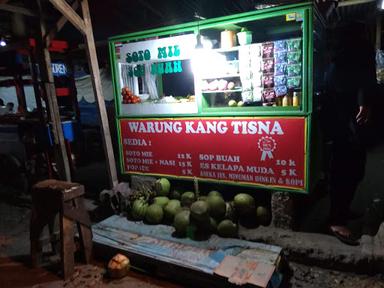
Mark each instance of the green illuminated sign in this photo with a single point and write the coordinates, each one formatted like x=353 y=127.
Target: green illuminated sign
x=157 y=68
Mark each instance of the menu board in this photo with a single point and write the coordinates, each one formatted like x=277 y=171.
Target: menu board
x=246 y=150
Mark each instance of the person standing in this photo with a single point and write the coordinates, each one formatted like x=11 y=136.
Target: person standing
x=350 y=86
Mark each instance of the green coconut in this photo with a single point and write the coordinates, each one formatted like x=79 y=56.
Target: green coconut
x=214 y=193
x=139 y=209
x=181 y=222
x=216 y=206
x=200 y=211
x=171 y=209
x=227 y=229
x=263 y=216
x=154 y=214
x=187 y=198
x=161 y=200
x=162 y=187
x=244 y=203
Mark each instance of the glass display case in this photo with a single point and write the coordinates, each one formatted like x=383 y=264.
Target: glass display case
x=257 y=63
x=255 y=70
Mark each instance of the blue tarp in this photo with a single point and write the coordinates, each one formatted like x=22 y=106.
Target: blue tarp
x=157 y=242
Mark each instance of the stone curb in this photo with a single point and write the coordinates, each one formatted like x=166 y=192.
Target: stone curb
x=324 y=250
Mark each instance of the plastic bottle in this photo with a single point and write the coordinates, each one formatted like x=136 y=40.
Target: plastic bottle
x=296 y=98
x=287 y=99
x=279 y=101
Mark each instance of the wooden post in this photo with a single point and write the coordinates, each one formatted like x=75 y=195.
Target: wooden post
x=378 y=31
x=84 y=25
x=60 y=148
x=98 y=91
x=36 y=85
x=20 y=93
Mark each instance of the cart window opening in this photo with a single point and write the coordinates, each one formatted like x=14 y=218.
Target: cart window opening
x=157 y=75
x=179 y=84
x=255 y=63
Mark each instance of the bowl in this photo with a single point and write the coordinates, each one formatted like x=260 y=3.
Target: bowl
x=143 y=97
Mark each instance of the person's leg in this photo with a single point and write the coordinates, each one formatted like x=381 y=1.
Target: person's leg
x=343 y=184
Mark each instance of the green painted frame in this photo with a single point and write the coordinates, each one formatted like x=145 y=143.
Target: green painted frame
x=307 y=9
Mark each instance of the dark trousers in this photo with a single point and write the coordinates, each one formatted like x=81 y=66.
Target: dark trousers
x=347 y=169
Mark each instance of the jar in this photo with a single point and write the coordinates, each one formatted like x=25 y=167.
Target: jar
x=227 y=39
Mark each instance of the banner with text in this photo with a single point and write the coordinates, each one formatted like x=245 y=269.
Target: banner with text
x=251 y=150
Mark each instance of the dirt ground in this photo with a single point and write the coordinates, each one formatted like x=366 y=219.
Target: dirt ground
x=92 y=276
x=314 y=277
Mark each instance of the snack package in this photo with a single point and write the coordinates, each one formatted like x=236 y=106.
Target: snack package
x=267 y=49
x=269 y=95
x=268 y=66
x=294 y=70
x=280 y=45
x=257 y=94
x=256 y=64
x=268 y=81
x=294 y=82
x=281 y=90
x=256 y=80
x=255 y=50
x=294 y=44
x=280 y=57
x=294 y=57
x=247 y=96
x=280 y=69
x=280 y=80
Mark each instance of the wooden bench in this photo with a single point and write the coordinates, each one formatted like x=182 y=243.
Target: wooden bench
x=49 y=198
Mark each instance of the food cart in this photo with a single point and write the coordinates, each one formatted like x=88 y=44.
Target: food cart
x=230 y=99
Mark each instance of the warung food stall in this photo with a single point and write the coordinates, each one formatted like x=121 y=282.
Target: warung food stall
x=229 y=99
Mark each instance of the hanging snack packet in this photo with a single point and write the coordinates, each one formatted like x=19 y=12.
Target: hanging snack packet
x=256 y=64
x=294 y=82
x=280 y=69
x=294 y=44
x=280 y=45
x=268 y=81
x=256 y=80
x=267 y=50
x=247 y=96
x=280 y=80
x=257 y=94
x=268 y=66
x=269 y=95
x=294 y=57
x=294 y=70
x=281 y=57
x=255 y=50
x=281 y=90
